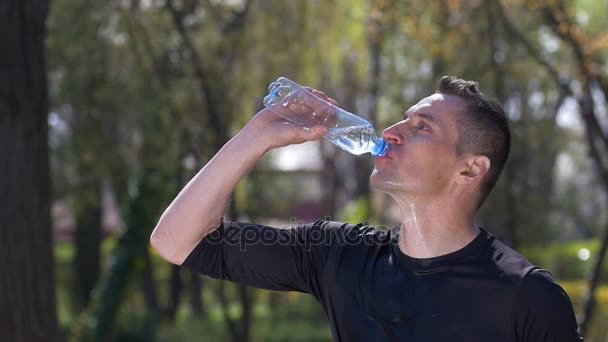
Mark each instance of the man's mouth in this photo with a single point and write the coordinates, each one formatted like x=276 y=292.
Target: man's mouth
x=384 y=157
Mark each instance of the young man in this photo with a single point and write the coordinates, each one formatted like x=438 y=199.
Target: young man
x=438 y=277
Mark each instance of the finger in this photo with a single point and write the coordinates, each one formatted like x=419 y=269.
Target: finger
x=324 y=96
x=320 y=94
x=315 y=132
x=317 y=92
x=307 y=103
x=320 y=130
x=332 y=101
x=311 y=100
x=299 y=108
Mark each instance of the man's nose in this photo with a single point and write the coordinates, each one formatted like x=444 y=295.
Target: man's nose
x=392 y=136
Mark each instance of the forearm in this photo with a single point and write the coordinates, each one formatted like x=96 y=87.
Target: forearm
x=198 y=208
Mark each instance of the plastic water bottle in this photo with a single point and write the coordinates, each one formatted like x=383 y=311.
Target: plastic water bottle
x=346 y=130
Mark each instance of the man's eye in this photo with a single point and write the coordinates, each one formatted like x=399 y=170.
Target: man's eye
x=422 y=126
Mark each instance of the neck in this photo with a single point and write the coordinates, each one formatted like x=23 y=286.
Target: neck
x=432 y=228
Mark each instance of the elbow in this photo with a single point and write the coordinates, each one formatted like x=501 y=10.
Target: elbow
x=154 y=240
x=163 y=246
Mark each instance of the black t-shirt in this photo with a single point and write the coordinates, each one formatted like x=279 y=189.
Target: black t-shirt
x=371 y=291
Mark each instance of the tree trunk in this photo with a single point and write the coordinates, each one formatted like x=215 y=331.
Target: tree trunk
x=594 y=282
x=98 y=321
x=195 y=289
x=87 y=245
x=148 y=285
x=215 y=91
x=362 y=167
x=594 y=141
x=375 y=39
x=175 y=290
x=231 y=325
x=499 y=91
x=138 y=33
x=27 y=284
x=246 y=304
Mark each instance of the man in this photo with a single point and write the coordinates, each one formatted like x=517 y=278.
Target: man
x=438 y=277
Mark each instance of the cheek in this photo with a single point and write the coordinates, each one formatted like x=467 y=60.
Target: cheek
x=433 y=163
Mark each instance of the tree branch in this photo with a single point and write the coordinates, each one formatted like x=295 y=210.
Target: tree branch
x=238 y=19
x=559 y=22
x=235 y=26
x=199 y=71
x=552 y=70
x=561 y=25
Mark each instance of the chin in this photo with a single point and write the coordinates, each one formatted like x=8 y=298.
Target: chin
x=384 y=184
x=375 y=181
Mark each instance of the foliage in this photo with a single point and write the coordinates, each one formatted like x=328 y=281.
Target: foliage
x=562 y=259
x=577 y=291
x=356 y=211
x=131 y=99
x=274 y=322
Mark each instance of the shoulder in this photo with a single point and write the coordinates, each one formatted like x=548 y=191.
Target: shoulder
x=510 y=264
x=539 y=289
x=543 y=309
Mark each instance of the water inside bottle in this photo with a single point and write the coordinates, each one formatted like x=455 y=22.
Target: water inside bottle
x=354 y=139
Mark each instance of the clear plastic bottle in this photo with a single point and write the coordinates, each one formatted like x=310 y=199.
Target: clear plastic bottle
x=346 y=130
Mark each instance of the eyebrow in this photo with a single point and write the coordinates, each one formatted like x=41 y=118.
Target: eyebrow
x=425 y=116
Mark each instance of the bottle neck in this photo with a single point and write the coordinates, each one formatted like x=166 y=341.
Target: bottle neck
x=380 y=147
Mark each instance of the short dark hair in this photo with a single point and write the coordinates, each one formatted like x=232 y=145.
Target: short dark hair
x=483 y=128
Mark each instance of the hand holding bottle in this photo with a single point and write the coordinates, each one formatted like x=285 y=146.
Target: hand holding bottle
x=276 y=131
x=303 y=107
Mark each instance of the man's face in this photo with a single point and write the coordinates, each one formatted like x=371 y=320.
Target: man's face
x=422 y=160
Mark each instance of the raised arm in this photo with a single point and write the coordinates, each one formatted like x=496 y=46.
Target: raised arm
x=197 y=209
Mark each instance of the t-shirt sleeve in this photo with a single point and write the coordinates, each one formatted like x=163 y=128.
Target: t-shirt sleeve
x=543 y=311
x=266 y=257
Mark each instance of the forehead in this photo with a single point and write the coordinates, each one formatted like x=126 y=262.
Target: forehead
x=440 y=106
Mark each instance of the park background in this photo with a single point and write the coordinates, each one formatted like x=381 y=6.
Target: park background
x=107 y=108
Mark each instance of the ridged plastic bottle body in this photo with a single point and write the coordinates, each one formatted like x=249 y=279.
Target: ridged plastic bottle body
x=346 y=130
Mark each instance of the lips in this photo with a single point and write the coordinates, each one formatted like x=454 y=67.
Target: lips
x=384 y=157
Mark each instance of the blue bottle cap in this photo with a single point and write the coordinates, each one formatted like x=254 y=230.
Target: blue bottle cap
x=381 y=148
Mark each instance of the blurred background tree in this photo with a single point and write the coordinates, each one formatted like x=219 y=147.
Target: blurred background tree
x=27 y=301
x=143 y=92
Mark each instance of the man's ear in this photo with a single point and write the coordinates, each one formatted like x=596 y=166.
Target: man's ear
x=474 y=169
